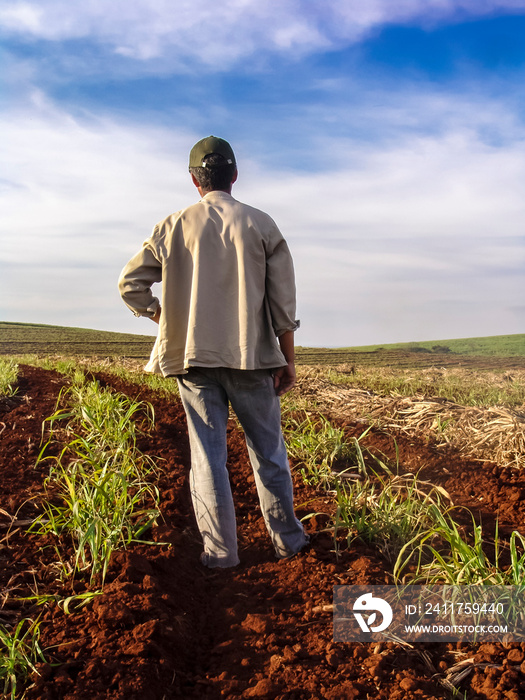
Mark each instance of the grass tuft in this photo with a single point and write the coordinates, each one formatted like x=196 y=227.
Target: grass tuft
x=100 y=479
x=19 y=652
x=386 y=510
x=8 y=377
x=316 y=446
x=445 y=557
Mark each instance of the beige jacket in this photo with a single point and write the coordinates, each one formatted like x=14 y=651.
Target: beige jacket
x=228 y=287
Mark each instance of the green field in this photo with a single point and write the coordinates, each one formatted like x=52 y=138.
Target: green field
x=504 y=352
x=493 y=352
x=496 y=345
x=40 y=339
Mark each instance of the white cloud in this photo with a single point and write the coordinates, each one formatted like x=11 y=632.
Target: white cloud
x=22 y=17
x=78 y=197
x=426 y=187
x=365 y=297
x=67 y=174
x=415 y=237
x=220 y=33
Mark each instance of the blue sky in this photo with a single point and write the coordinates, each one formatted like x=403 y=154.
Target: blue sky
x=387 y=139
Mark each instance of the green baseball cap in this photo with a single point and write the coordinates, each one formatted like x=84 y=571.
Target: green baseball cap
x=207 y=146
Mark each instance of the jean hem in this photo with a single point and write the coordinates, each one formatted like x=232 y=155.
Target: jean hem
x=212 y=562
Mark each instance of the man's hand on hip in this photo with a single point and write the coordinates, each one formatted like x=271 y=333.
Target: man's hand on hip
x=156 y=317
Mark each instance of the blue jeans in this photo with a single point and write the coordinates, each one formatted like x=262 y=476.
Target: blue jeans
x=205 y=394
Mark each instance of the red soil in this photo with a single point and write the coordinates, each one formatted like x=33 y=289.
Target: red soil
x=165 y=627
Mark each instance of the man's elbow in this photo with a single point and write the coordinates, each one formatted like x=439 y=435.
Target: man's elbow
x=126 y=287
x=123 y=283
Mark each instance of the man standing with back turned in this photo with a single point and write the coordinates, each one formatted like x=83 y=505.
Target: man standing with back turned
x=228 y=294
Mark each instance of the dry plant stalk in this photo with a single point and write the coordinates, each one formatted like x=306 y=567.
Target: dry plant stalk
x=495 y=434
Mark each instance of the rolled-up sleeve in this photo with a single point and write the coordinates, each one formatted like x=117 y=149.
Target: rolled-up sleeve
x=136 y=280
x=280 y=289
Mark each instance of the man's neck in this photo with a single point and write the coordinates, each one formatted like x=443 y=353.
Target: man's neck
x=205 y=192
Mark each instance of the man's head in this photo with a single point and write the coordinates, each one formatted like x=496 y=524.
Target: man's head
x=212 y=165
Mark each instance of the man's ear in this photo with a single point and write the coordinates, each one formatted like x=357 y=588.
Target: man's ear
x=235 y=175
x=196 y=183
